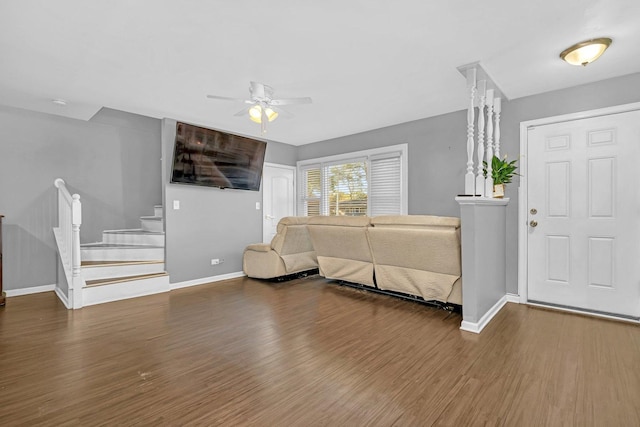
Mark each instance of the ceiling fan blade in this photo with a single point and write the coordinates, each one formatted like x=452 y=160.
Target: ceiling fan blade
x=286 y=114
x=290 y=101
x=226 y=98
x=241 y=112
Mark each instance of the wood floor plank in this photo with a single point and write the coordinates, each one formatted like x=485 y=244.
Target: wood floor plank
x=309 y=352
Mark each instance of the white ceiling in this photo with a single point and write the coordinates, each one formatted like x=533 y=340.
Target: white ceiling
x=366 y=63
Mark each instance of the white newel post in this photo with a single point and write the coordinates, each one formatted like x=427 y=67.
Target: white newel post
x=482 y=86
x=488 y=182
x=469 y=178
x=76 y=221
x=497 y=109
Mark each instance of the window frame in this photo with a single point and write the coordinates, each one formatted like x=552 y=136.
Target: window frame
x=322 y=162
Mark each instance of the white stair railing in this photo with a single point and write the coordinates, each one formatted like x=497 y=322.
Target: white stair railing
x=68 y=240
x=482 y=93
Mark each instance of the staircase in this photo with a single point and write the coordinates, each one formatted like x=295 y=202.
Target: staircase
x=126 y=263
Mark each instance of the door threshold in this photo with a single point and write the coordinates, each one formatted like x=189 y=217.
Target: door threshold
x=592 y=313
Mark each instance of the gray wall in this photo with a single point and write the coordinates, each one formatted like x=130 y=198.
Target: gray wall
x=112 y=161
x=211 y=223
x=437 y=148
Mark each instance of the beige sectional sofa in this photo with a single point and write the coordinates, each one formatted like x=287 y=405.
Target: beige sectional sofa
x=416 y=255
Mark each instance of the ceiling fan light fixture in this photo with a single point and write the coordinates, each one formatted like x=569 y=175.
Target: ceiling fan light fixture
x=585 y=52
x=255 y=114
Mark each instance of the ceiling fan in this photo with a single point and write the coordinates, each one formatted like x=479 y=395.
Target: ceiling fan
x=264 y=108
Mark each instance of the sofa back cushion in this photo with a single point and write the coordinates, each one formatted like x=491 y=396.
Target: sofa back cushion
x=341 y=237
x=293 y=243
x=436 y=250
x=292 y=236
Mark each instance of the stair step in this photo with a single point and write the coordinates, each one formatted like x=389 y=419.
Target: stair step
x=135 y=236
x=113 y=280
x=124 y=288
x=152 y=223
x=114 y=252
x=95 y=270
x=157 y=211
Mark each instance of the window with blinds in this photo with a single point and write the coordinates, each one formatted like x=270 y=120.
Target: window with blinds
x=371 y=182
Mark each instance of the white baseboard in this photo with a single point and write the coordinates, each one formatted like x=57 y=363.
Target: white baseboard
x=514 y=298
x=28 y=291
x=62 y=297
x=484 y=321
x=205 y=280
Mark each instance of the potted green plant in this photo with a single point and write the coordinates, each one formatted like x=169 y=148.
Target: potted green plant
x=502 y=171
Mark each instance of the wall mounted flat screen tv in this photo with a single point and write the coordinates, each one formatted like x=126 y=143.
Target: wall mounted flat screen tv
x=212 y=158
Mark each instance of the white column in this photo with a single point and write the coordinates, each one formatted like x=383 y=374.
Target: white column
x=76 y=221
x=488 y=183
x=497 y=109
x=469 y=178
x=482 y=86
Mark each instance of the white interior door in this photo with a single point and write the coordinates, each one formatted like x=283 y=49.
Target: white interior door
x=584 y=214
x=278 y=197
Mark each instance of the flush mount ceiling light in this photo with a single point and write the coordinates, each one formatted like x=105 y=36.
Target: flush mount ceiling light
x=585 y=52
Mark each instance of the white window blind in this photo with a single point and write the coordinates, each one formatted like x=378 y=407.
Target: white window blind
x=371 y=182
x=386 y=185
x=310 y=191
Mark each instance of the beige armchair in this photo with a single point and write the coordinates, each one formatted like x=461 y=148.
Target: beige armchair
x=289 y=252
x=342 y=248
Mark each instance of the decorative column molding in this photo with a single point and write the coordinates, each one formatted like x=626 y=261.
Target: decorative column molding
x=497 y=109
x=482 y=86
x=488 y=182
x=469 y=178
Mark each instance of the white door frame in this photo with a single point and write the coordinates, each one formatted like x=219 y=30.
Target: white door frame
x=523 y=235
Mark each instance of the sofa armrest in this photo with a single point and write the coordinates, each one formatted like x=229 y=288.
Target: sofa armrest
x=259 y=247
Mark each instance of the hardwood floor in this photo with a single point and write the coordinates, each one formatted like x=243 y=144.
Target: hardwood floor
x=307 y=353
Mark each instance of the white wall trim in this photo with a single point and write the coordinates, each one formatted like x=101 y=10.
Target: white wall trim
x=479 y=326
x=514 y=298
x=522 y=189
x=205 y=280
x=31 y=290
x=62 y=297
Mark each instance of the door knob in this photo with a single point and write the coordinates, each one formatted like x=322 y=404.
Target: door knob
x=533 y=223
x=268 y=217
